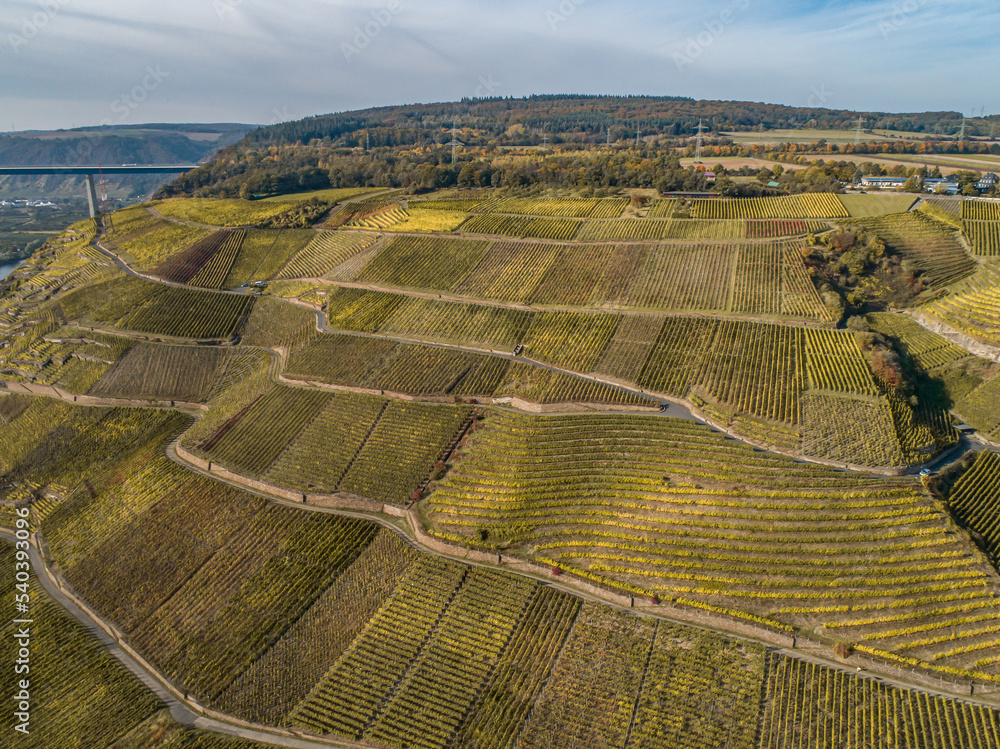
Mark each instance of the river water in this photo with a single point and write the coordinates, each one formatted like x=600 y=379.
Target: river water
x=6 y=269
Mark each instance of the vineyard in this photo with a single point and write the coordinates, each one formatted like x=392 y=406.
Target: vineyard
x=174 y=312
x=306 y=615
x=215 y=271
x=324 y=253
x=228 y=213
x=81 y=695
x=932 y=247
x=423 y=262
x=770 y=278
x=383 y=449
x=156 y=372
x=666 y=507
x=809 y=205
x=562 y=207
x=984 y=236
x=383 y=365
x=975 y=501
x=972 y=307
x=925 y=349
x=561 y=229
x=980 y=408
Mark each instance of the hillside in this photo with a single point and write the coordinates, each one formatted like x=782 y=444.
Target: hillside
x=113 y=145
x=471 y=468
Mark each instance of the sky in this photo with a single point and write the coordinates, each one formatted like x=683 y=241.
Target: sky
x=71 y=63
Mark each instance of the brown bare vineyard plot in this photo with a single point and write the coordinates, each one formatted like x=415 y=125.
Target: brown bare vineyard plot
x=850 y=431
x=185 y=266
x=156 y=372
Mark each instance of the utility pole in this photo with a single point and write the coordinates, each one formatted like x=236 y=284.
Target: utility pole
x=701 y=130
x=455 y=143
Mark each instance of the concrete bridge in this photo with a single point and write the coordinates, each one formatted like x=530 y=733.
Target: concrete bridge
x=90 y=171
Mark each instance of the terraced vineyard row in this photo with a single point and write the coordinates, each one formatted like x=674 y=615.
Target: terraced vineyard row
x=78 y=691
x=772 y=277
x=809 y=205
x=181 y=268
x=975 y=501
x=214 y=273
x=810 y=705
x=925 y=349
x=980 y=210
x=972 y=306
x=324 y=253
x=981 y=408
x=378 y=364
x=663 y=506
x=562 y=207
x=386 y=448
x=562 y=229
x=151 y=371
x=984 y=236
x=335 y=625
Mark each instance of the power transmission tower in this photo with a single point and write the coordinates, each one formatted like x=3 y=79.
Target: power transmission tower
x=701 y=130
x=857 y=135
x=368 y=140
x=455 y=143
x=961 y=136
